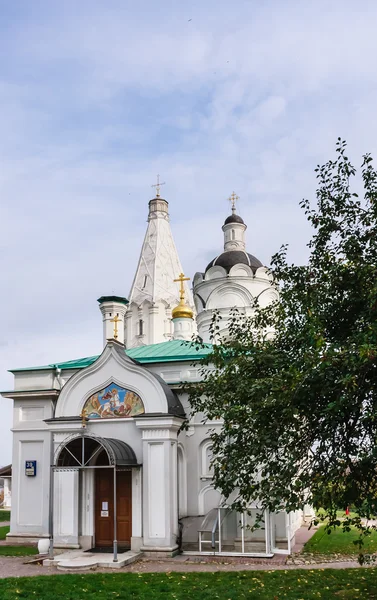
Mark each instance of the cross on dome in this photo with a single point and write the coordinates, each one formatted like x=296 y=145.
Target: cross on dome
x=182 y=310
x=233 y=199
x=158 y=186
x=182 y=278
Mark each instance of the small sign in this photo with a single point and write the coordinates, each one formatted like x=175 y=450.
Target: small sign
x=31 y=468
x=105 y=506
x=104 y=513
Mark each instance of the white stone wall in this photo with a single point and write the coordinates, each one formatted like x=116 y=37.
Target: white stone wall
x=217 y=290
x=31 y=441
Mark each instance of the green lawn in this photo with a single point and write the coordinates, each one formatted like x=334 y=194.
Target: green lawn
x=17 y=551
x=4 y=515
x=339 y=542
x=354 y=584
x=3 y=532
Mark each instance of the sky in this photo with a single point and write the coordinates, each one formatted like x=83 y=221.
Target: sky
x=98 y=97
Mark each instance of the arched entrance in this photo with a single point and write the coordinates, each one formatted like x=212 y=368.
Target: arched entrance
x=111 y=461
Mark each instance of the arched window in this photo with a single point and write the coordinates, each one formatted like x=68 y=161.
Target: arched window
x=206 y=471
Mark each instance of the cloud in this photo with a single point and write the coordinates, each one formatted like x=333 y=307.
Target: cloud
x=97 y=98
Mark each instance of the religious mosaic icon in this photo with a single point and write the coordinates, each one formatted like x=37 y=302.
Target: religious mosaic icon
x=113 y=401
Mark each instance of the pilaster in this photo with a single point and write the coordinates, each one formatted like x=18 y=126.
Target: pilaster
x=160 y=491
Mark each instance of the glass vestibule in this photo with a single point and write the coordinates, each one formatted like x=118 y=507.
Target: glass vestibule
x=226 y=532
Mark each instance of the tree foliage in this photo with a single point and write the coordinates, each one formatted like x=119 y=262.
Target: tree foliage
x=299 y=406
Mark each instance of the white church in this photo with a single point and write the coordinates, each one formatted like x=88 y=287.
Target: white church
x=99 y=460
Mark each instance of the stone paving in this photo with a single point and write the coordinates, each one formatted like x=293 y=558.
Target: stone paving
x=15 y=567
x=21 y=567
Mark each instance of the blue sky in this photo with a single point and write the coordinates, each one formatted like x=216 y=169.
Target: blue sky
x=98 y=97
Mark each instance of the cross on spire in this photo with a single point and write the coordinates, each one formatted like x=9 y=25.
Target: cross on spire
x=233 y=199
x=157 y=186
x=182 y=278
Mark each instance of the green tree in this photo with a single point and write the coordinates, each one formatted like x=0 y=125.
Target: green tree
x=299 y=406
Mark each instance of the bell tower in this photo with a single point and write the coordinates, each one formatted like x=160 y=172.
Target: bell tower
x=153 y=293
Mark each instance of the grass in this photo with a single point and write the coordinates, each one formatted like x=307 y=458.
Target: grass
x=17 y=551
x=354 y=584
x=4 y=515
x=3 y=532
x=339 y=542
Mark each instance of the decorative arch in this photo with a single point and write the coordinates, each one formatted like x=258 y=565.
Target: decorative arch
x=114 y=366
x=264 y=273
x=79 y=451
x=267 y=296
x=113 y=401
x=205 y=457
x=229 y=294
x=208 y=498
x=215 y=272
x=241 y=270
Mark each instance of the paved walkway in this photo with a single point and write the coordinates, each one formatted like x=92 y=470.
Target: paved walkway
x=15 y=567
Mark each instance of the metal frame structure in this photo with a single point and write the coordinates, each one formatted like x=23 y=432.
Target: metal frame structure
x=270 y=544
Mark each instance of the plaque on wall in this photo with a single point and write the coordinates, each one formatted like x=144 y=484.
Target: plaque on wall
x=31 y=468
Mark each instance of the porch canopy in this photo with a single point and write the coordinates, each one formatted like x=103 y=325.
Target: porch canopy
x=88 y=451
x=91 y=452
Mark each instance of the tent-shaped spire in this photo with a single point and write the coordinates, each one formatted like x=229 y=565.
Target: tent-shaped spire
x=154 y=293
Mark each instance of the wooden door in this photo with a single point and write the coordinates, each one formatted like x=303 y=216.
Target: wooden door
x=104 y=508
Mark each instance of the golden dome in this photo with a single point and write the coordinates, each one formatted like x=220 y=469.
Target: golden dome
x=182 y=311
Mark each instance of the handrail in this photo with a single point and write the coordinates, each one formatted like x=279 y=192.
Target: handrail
x=213 y=537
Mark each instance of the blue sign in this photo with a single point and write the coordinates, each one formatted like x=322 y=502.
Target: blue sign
x=31 y=468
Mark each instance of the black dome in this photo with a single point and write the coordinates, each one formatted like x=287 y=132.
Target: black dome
x=228 y=259
x=234 y=219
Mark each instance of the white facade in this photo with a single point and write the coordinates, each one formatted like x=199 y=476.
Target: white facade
x=77 y=417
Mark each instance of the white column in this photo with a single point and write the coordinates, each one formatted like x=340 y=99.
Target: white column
x=160 y=489
x=154 y=334
x=86 y=538
x=66 y=509
x=111 y=309
x=137 y=513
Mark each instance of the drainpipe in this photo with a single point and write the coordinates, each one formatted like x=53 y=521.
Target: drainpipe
x=58 y=376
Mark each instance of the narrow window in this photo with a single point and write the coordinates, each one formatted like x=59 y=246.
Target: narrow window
x=141 y=327
x=145 y=281
x=233 y=234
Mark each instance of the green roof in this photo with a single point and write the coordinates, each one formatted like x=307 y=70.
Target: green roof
x=173 y=351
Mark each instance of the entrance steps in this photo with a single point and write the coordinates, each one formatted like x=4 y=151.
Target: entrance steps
x=77 y=560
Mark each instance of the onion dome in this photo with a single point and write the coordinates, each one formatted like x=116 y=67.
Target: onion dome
x=229 y=259
x=233 y=218
x=182 y=311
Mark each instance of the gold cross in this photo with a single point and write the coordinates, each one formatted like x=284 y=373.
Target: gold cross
x=157 y=186
x=182 y=278
x=233 y=199
x=115 y=320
